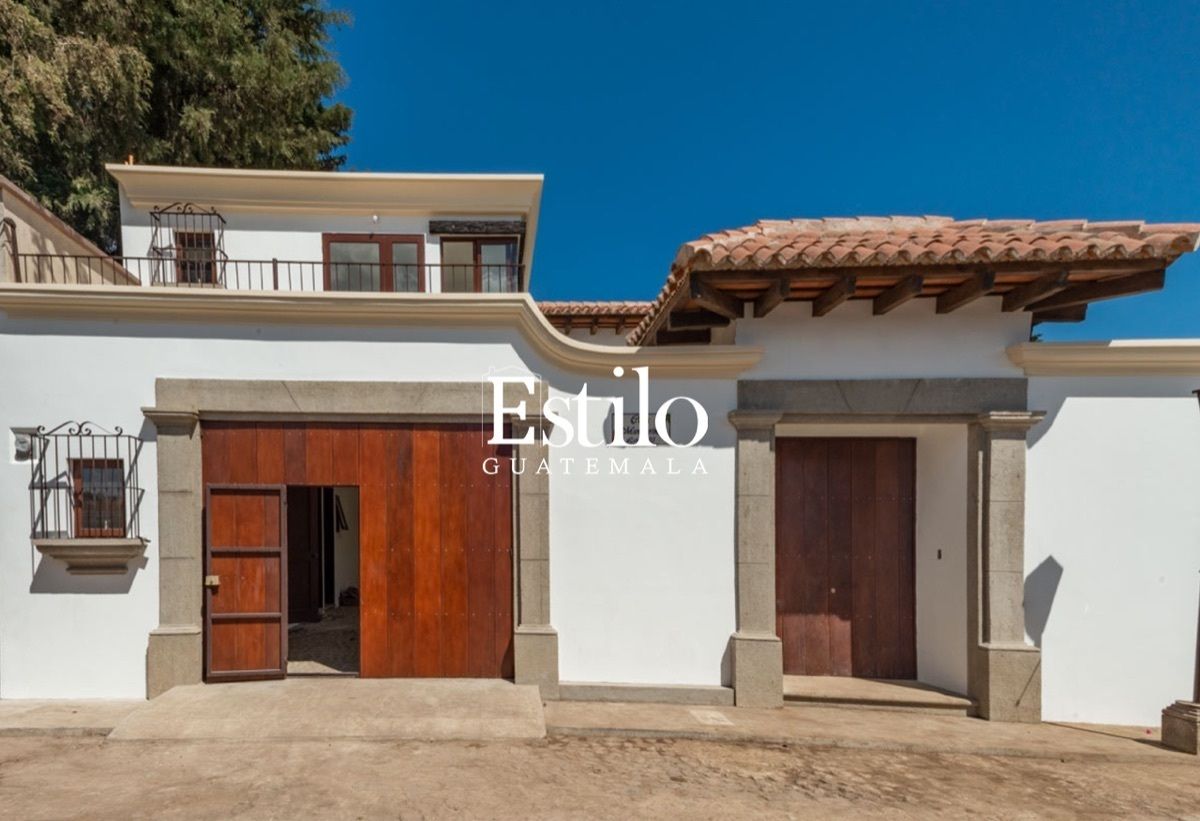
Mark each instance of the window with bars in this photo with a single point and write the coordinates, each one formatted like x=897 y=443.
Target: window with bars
x=196 y=257
x=84 y=483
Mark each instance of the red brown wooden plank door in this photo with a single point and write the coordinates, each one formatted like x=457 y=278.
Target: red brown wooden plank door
x=845 y=556
x=436 y=563
x=247 y=531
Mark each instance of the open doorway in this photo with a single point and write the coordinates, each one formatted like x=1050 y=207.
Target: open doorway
x=322 y=581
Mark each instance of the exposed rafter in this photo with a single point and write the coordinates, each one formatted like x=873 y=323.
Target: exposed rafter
x=779 y=290
x=898 y=294
x=974 y=287
x=691 y=336
x=1044 y=286
x=719 y=302
x=1103 y=289
x=1074 y=313
x=833 y=296
x=696 y=319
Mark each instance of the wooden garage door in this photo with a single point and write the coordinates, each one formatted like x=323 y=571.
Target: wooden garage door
x=845 y=556
x=246 y=529
x=435 y=533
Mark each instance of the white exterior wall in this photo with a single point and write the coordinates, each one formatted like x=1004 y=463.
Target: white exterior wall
x=911 y=341
x=1112 y=545
x=642 y=572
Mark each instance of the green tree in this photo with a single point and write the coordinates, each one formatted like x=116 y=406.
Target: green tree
x=235 y=83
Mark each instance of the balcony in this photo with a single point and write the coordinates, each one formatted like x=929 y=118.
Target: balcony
x=264 y=275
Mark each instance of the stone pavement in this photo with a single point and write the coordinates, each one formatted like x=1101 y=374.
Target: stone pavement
x=393 y=709
x=850 y=728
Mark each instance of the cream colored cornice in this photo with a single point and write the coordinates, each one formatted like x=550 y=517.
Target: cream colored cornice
x=392 y=310
x=330 y=192
x=1150 y=357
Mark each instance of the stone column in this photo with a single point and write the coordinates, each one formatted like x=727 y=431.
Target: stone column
x=175 y=652
x=755 y=651
x=1003 y=672
x=535 y=643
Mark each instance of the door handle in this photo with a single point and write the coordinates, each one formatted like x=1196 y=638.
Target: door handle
x=212 y=581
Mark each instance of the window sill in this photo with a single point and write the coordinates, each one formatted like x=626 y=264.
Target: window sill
x=92 y=557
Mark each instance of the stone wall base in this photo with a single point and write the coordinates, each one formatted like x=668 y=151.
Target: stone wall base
x=757 y=666
x=535 y=658
x=173 y=657
x=1006 y=682
x=1181 y=727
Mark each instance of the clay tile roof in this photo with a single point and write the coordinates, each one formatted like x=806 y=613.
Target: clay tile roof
x=859 y=242
x=579 y=314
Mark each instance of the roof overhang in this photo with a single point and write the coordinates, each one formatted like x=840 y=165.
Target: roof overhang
x=232 y=190
x=1052 y=270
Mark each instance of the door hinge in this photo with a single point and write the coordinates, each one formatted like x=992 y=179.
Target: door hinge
x=212 y=581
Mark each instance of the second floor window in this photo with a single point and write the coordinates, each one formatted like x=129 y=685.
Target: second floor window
x=479 y=265
x=195 y=257
x=374 y=262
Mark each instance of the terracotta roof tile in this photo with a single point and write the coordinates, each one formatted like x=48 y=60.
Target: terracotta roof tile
x=627 y=309
x=617 y=316
x=856 y=242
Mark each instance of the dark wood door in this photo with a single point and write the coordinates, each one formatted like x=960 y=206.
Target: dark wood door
x=435 y=533
x=246 y=636
x=304 y=554
x=845 y=597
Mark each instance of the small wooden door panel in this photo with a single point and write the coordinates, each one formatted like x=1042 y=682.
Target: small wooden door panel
x=845 y=556
x=246 y=582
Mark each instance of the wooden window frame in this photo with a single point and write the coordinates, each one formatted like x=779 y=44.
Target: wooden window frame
x=384 y=241
x=182 y=261
x=77 y=498
x=477 y=243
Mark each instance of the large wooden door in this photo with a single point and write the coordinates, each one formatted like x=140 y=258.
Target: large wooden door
x=435 y=532
x=246 y=635
x=436 y=556
x=845 y=556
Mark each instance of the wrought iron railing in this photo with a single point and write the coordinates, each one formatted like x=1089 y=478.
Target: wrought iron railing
x=266 y=275
x=84 y=483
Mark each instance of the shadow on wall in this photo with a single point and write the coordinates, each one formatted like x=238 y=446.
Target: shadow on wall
x=1040 y=588
x=51 y=576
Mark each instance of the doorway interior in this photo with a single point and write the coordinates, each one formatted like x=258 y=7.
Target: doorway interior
x=322 y=581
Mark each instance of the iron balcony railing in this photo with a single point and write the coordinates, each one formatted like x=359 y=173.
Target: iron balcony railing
x=265 y=275
x=84 y=483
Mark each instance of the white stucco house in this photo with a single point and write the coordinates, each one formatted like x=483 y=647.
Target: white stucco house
x=274 y=412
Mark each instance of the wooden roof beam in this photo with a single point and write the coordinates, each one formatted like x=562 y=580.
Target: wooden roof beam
x=696 y=319
x=779 y=290
x=1044 y=286
x=966 y=292
x=898 y=294
x=1075 y=313
x=692 y=336
x=719 y=302
x=1087 y=292
x=833 y=296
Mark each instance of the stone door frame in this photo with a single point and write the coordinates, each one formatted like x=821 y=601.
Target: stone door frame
x=1003 y=672
x=174 y=655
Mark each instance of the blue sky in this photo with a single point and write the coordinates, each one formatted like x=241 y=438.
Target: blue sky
x=657 y=122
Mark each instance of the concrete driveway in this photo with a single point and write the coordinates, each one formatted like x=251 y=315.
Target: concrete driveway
x=297 y=709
